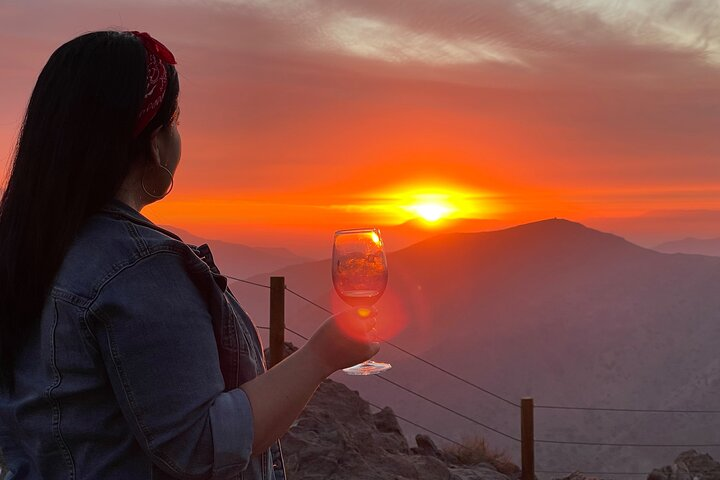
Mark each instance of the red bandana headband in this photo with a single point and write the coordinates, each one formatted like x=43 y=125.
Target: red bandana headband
x=156 y=82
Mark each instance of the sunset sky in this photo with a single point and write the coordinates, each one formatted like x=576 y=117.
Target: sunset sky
x=303 y=117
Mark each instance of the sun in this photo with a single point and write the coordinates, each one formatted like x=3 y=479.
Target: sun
x=431 y=212
x=431 y=207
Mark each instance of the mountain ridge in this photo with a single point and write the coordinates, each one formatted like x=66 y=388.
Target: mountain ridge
x=551 y=309
x=691 y=246
x=241 y=260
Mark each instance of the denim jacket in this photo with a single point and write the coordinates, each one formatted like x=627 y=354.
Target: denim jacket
x=134 y=368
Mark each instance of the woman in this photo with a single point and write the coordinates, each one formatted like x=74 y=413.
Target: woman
x=123 y=355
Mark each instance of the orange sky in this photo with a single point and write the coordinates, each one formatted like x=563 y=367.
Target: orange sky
x=301 y=116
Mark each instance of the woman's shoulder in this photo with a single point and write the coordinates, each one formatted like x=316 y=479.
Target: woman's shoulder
x=111 y=241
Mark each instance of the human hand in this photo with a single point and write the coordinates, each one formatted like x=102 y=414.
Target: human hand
x=345 y=339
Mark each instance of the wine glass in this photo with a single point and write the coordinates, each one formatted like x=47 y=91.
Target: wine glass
x=359 y=273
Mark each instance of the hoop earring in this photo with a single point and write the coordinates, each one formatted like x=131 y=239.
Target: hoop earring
x=142 y=182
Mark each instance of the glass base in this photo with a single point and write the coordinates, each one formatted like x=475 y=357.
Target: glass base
x=367 y=368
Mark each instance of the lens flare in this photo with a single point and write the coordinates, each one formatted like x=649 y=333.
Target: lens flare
x=392 y=316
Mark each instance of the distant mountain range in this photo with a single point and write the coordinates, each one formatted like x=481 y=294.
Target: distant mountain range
x=709 y=246
x=241 y=260
x=553 y=310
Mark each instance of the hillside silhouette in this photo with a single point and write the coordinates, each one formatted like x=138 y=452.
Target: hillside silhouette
x=707 y=246
x=397 y=237
x=242 y=260
x=551 y=309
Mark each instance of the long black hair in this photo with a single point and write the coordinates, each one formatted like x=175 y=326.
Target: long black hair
x=74 y=150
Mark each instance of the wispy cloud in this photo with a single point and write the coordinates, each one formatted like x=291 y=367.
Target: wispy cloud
x=581 y=93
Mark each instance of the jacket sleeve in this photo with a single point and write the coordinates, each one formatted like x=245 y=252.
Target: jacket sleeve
x=155 y=333
x=13 y=460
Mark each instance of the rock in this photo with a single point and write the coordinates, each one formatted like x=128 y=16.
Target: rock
x=390 y=437
x=657 y=475
x=426 y=446
x=478 y=472
x=338 y=437
x=700 y=464
x=430 y=468
x=689 y=465
x=386 y=421
x=578 y=476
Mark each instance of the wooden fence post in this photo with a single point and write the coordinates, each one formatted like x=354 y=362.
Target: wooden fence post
x=527 y=437
x=277 y=320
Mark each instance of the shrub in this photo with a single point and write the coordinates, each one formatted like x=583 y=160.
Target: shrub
x=476 y=451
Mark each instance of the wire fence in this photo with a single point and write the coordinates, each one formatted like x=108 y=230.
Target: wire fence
x=507 y=401
x=380 y=408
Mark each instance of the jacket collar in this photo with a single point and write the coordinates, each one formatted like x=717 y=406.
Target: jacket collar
x=118 y=207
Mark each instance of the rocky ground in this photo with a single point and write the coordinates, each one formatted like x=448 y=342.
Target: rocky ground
x=689 y=465
x=337 y=436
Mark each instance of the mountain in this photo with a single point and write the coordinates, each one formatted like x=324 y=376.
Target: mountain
x=397 y=237
x=554 y=310
x=240 y=260
x=652 y=227
x=709 y=246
